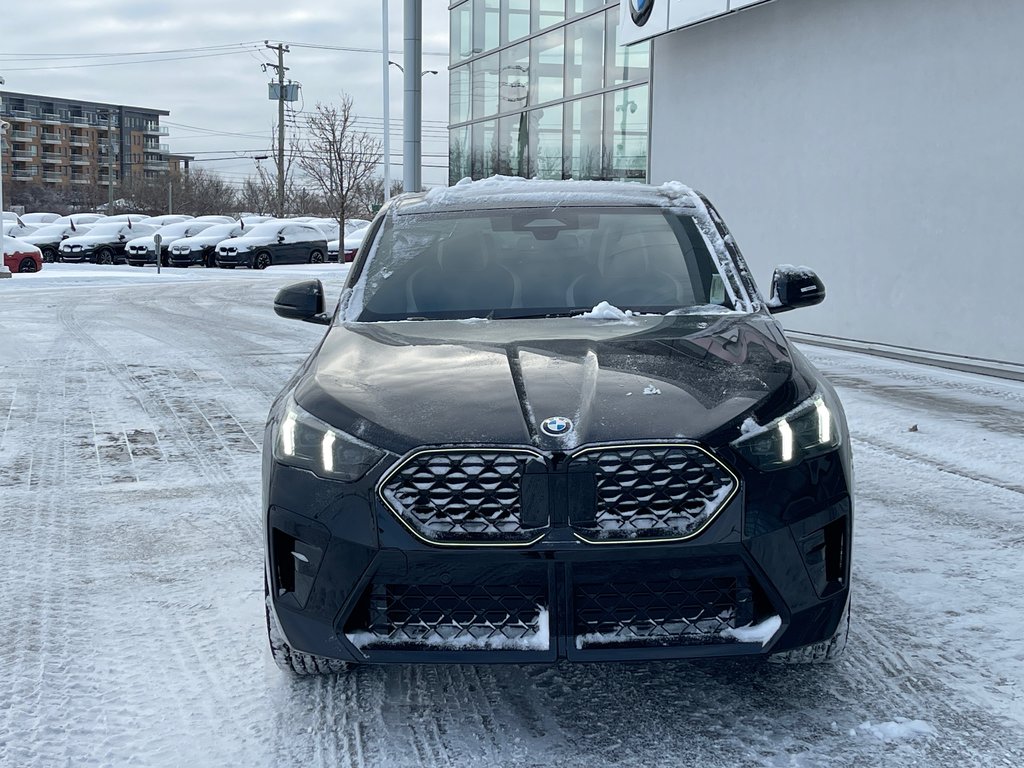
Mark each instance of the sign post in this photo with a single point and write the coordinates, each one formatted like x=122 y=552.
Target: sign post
x=156 y=247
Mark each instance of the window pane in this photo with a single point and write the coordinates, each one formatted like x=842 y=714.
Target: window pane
x=461 y=32
x=514 y=79
x=576 y=7
x=583 y=151
x=459 y=105
x=625 y=130
x=458 y=154
x=626 y=63
x=486 y=18
x=485 y=86
x=517 y=19
x=545 y=142
x=547 y=67
x=584 y=55
x=547 y=12
x=485 y=150
x=512 y=145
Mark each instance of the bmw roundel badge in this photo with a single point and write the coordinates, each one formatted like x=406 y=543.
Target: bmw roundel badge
x=640 y=10
x=556 y=426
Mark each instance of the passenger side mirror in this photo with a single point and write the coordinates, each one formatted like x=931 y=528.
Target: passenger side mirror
x=302 y=301
x=794 y=287
x=280 y=238
x=121 y=237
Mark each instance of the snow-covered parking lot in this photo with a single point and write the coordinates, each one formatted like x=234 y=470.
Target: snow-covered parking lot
x=131 y=413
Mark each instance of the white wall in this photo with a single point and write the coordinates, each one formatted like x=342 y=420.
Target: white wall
x=880 y=142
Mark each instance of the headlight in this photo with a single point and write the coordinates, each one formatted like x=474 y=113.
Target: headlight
x=304 y=441
x=808 y=430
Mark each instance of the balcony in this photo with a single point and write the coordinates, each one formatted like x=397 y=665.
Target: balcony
x=156 y=130
x=19 y=115
x=50 y=138
x=155 y=165
x=80 y=178
x=52 y=178
x=22 y=154
x=80 y=141
x=51 y=158
x=80 y=160
x=22 y=135
x=49 y=118
x=79 y=120
x=23 y=174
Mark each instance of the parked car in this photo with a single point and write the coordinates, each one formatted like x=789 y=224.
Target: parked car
x=202 y=248
x=351 y=225
x=49 y=237
x=555 y=420
x=353 y=243
x=104 y=243
x=142 y=250
x=274 y=243
x=215 y=219
x=39 y=217
x=329 y=227
x=124 y=217
x=20 y=256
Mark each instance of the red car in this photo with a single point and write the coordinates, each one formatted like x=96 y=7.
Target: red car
x=20 y=256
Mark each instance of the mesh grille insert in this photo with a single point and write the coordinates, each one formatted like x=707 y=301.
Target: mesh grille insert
x=651 y=491
x=472 y=495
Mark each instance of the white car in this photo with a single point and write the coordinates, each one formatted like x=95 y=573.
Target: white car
x=19 y=228
x=105 y=242
x=215 y=219
x=202 y=248
x=168 y=218
x=86 y=218
x=142 y=250
x=123 y=217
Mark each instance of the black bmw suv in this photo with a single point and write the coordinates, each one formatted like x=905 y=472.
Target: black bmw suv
x=554 y=420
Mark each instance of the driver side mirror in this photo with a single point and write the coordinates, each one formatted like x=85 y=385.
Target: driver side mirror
x=121 y=237
x=302 y=301
x=280 y=238
x=794 y=287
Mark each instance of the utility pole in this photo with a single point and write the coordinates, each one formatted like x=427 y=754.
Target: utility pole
x=281 y=69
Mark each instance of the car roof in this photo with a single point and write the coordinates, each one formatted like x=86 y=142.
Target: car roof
x=499 y=192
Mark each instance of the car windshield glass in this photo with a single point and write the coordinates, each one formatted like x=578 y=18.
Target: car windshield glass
x=219 y=230
x=50 y=230
x=263 y=230
x=522 y=263
x=103 y=230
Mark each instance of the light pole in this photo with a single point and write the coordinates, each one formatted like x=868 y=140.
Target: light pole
x=412 y=118
x=3 y=132
x=387 y=106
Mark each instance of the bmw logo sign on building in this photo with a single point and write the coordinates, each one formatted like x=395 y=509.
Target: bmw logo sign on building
x=556 y=426
x=640 y=10
x=642 y=19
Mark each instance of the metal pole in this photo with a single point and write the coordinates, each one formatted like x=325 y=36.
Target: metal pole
x=386 y=71
x=413 y=53
x=280 y=131
x=3 y=132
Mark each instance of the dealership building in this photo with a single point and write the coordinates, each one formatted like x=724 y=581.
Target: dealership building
x=876 y=142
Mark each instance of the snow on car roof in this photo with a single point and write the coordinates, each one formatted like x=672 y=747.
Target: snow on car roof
x=514 y=191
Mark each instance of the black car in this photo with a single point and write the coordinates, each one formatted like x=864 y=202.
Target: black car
x=49 y=237
x=104 y=243
x=274 y=243
x=555 y=420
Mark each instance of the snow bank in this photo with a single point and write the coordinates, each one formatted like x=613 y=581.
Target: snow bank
x=900 y=729
x=755 y=633
x=606 y=311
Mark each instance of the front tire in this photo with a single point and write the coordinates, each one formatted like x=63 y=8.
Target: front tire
x=104 y=256
x=50 y=255
x=296 y=662
x=261 y=260
x=316 y=257
x=27 y=265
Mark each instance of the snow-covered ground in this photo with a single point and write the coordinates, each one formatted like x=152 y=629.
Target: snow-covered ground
x=131 y=414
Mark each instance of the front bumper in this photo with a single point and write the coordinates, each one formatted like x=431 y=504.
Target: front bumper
x=352 y=582
x=234 y=258
x=78 y=257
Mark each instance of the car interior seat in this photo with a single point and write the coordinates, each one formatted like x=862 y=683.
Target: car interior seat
x=463 y=277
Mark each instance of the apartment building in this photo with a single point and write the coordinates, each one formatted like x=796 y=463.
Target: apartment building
x=66 y=142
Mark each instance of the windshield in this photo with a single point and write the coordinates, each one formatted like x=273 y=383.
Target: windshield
x=220 y=230
x=51 y=230
x=263 y=230
x=102 y=230
x=538 y=263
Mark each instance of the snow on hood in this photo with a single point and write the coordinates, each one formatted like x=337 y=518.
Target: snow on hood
x=13 y=245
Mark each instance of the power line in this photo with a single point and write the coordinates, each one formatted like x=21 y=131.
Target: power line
x=125 y=63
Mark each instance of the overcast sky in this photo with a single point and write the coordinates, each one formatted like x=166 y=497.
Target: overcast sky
x=55 y=47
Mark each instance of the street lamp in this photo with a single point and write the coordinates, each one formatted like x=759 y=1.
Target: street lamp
x=387 y=103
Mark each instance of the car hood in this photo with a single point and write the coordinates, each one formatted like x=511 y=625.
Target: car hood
x=201 y=241
x=404 y=384
x=242 y=242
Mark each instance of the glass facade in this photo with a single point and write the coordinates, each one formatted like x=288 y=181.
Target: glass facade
x=541 y=88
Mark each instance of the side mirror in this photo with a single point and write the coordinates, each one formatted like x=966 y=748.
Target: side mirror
x=280 y=238
x=121 y=237
x=794 y=287
x=302 y=301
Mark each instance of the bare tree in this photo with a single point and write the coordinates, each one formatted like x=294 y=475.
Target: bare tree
x=336 y=157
